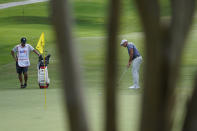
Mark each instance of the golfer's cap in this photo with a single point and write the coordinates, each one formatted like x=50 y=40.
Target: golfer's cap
x=122 y=42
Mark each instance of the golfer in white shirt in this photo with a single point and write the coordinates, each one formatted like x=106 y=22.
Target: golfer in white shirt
x=22 y=60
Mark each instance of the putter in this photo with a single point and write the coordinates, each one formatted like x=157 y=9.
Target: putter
x=123 y=73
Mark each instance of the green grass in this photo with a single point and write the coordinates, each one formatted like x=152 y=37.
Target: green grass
x=6 y=1
x=28 y=105
x=24 y=109
x=91 y=17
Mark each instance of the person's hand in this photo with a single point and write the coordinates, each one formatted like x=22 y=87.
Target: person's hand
x=16 y=59
x=128 y=64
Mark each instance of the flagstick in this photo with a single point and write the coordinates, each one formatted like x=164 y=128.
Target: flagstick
x=41 y=47
x=45 y=82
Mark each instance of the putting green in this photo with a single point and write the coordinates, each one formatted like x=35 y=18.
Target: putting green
x=24 y=110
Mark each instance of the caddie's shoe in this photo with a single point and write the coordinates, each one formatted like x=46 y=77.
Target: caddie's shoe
x=22 y=86
x=25 y=85
x=132 y=87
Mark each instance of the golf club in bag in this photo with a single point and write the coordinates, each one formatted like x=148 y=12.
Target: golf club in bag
x=43 y=78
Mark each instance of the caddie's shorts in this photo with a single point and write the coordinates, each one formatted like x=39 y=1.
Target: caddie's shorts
x=20 y=70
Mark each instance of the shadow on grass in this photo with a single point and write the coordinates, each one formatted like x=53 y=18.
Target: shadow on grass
x=25 y=20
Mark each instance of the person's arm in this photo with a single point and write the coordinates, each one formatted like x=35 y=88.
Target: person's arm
x=32 y=49
x=35 y=51
x=130 y=57
x=13 y=55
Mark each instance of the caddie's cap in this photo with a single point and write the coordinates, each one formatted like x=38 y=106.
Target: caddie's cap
x=23 y=40
x=122 y=42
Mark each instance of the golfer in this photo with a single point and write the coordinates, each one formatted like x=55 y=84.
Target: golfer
x=22 y=60
x=136 y=59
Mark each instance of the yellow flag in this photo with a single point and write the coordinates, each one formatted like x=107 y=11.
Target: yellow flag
x=41 y=43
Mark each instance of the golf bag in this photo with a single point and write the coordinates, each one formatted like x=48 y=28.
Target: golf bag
x=43 y=78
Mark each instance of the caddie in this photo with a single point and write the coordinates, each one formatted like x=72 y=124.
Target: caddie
x=20 y=53
x=136 y=59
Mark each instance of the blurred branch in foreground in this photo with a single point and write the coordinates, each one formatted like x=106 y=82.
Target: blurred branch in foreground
x=190 y=123
x=111 y=67
x=61 y=16
x=164 y=45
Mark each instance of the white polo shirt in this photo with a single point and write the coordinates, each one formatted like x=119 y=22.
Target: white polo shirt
x=23 y=54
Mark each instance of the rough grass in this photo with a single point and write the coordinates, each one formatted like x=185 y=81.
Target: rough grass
x=6 y=1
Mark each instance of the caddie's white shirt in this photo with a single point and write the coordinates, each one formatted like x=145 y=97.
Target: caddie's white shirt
x=23 y=54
